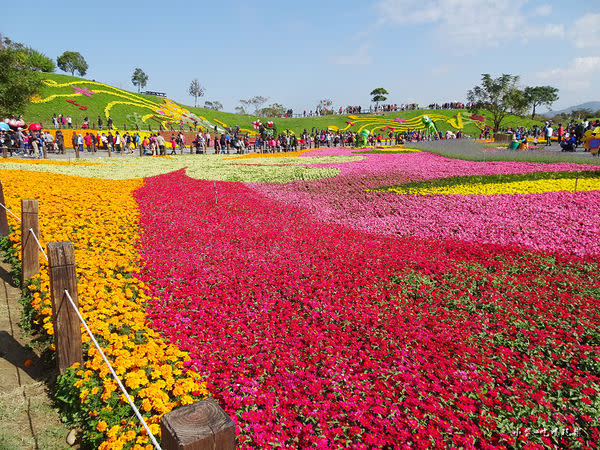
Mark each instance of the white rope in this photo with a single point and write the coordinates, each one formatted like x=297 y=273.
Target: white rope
x=14 y=215
x=38 y=243
x=135 y=410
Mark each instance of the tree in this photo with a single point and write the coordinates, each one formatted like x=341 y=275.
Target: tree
x=214 y=105
x=72 y=62
x=273 y=110
x=378 y=95
x=579 y=114
x=241 y=110
x=496 y=95
x=17 y=82
x=256 y=102
x=35 y=60
x=196 y=90
x=517 y=102
x=139 y=78
x=324 y=104
x=540 y=95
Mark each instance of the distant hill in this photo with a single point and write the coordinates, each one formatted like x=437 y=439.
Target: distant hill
x=592 y=106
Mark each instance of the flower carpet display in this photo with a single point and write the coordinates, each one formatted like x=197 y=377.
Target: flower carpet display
x=312 y=334
x=100 y=218
x=333 y=298
x=536 y=218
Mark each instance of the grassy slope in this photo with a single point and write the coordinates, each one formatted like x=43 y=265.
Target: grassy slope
x=121 y=114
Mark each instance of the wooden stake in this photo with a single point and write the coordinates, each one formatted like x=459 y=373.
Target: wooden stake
x=3 y=217
x=67 y=330
x=200 y=426
x=30 y=252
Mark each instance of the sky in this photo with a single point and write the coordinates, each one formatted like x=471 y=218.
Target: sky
x=297 y=53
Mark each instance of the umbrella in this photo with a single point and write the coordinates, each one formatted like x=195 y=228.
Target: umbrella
x=4 y=126
x=16 y=123
x=35 y=127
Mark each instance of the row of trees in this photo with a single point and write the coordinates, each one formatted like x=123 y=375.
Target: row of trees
x=502 y=96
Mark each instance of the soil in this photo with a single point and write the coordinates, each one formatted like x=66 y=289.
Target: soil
x=28 y=417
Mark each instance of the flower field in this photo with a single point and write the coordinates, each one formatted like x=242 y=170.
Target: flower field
x=335 y=298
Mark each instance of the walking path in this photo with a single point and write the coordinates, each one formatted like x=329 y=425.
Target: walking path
x=28 y=419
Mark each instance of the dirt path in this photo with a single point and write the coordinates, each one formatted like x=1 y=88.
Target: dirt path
x=26 y=414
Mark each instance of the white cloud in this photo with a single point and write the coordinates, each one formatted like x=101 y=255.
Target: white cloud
x=585 y=32
x=578 y=75
x=360 y=57
x=543 y=10
x=473 y=24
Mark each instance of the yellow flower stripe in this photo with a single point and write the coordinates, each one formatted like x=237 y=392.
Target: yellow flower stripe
x=516 y=187
x=100 y=217
x=48 y=162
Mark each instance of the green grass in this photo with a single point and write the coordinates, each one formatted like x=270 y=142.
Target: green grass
x=473 y=151
x=127 y=115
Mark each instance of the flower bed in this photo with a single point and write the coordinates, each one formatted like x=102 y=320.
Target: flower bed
x=316 y=335
x=552 y=221
x=100 y=217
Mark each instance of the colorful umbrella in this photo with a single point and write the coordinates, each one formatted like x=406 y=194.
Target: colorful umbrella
x=4 y=126
x=35 y=127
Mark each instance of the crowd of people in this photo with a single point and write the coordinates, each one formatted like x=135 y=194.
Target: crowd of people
x=31 y=143
x=569 y=137
x=377 y=109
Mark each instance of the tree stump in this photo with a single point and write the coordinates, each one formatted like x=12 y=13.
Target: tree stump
x=200 y=426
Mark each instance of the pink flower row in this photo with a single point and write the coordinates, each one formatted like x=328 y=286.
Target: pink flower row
x=554 y=221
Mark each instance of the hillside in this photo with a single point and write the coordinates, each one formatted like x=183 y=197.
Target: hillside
x=80 y=98
x=591 y=106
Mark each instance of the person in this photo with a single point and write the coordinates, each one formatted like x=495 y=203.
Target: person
x=80 y=142
x=49 y=142
x=55 y=120
x=569 y=144
x=69 y=122
x=223 y=143
x=217 y=144
x=109 y=123
x=74 y=140
x=109 y=141
x=146 y=145
x=181 y=142
x=173 y=143
x=117 y=141
x=87 y=139
x=99 y=123
x=60 y=142
x=548 y=134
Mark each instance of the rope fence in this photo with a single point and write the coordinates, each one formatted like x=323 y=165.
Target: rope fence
x=112 y=371
x=197 y=425
x=10 y=212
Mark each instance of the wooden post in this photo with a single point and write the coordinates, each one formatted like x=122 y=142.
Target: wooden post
x=3 y=217
x=200 y=426
x=30 y=252
x=67 y=331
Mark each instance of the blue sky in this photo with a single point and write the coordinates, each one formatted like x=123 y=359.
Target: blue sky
x=297 y=53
